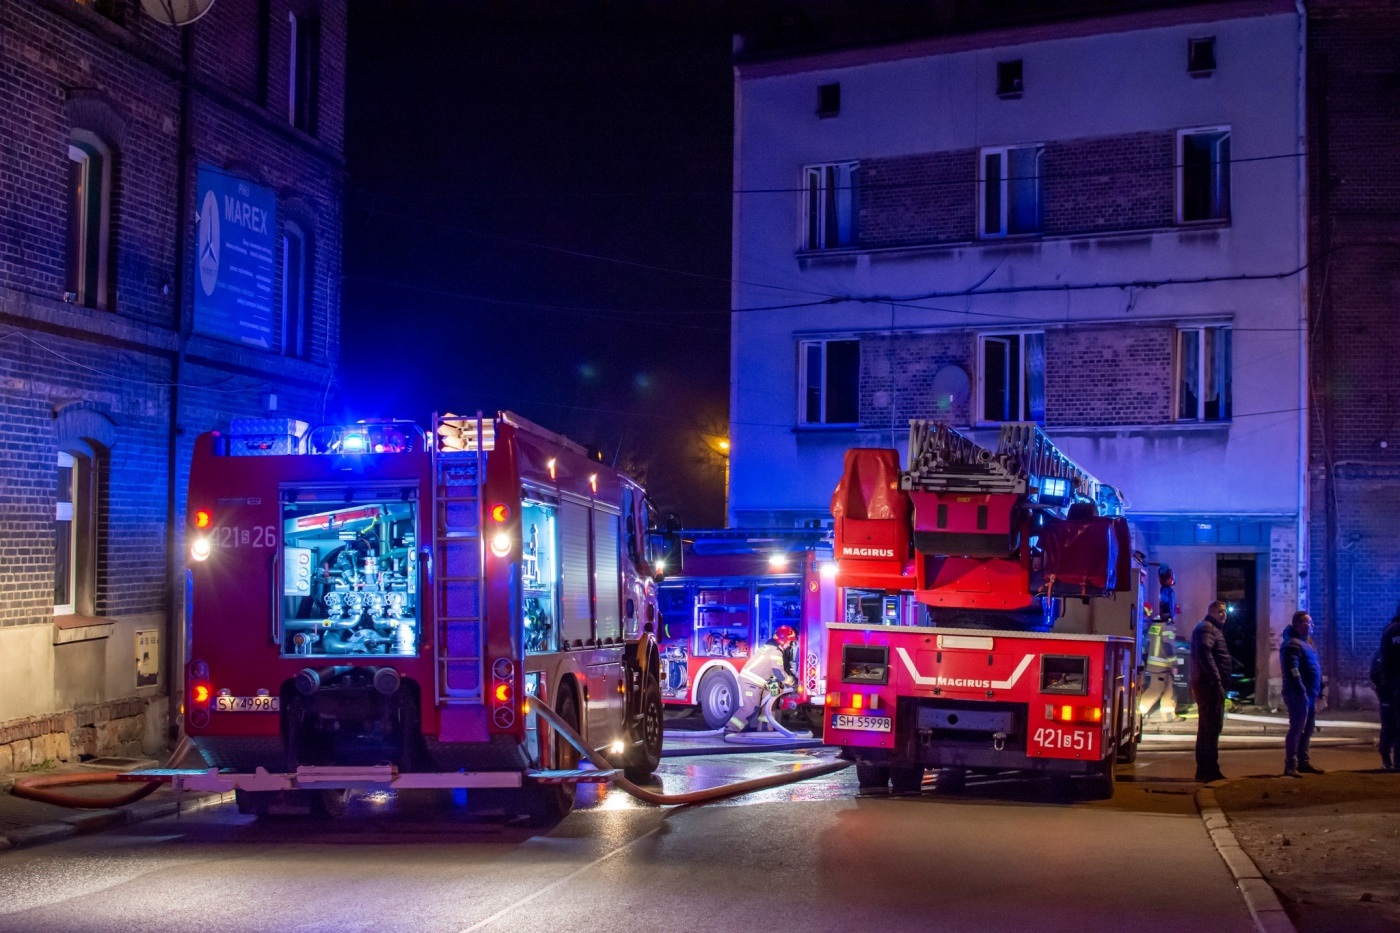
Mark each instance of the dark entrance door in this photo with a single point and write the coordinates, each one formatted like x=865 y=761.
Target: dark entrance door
x=1235 y=586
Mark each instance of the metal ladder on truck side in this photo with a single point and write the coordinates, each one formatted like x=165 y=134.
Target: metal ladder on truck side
x=459 y=598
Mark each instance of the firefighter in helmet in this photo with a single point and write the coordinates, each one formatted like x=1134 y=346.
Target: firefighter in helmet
x=764 y=672
x=1159 y=666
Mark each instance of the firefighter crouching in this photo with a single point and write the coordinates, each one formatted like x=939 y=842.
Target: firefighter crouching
x=764 y=672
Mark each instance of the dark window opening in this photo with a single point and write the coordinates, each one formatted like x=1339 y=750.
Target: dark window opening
x=1009 y=79
x=831 y=382
x=294 y=291
x=1200 y=55
x=1205 y=175
x=305 y=64
x=828 y=100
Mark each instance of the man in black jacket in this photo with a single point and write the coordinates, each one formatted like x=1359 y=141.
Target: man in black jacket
x=1385 y=674
x=1210 y=675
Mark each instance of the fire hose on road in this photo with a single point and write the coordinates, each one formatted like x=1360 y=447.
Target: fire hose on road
x=696 y=796
x=37 y=787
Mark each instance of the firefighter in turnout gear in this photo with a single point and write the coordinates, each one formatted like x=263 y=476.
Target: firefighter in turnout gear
x=764 y=672
x=1159 y=670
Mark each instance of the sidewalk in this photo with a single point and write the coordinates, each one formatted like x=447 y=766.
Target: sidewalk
x=25 y=822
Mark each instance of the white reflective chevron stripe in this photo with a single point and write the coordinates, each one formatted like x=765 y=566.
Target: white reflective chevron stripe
x=923 y=681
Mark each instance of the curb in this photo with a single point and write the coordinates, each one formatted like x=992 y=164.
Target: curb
x=1263 y=903
x=91 y=821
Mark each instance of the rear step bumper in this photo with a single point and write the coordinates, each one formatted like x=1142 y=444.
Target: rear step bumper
x=383 y=777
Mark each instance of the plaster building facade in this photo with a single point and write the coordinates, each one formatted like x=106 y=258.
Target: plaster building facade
x=170 y=216
x=1097 y=224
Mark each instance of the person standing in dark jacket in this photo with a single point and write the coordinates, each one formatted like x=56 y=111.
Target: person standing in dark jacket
x=1210 y=674
x=1302 y=685
x=1386 y=676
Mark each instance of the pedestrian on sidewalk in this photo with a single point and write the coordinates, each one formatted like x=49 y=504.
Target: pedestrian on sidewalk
x=1302 y=685
x=1210 y=675
x=1385 y=673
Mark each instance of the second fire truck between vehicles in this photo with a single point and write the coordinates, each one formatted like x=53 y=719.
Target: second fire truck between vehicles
x=1024 y=654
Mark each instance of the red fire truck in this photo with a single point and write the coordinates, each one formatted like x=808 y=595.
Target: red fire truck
x=731 y=590
x=1013 y=635
x=373 y=606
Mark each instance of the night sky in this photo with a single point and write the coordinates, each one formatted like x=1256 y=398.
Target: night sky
x=538 y=219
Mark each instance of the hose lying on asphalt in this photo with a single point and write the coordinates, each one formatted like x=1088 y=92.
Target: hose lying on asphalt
x=750 y=738
x=36 y=787
x=695 y=796
x=1321 y=723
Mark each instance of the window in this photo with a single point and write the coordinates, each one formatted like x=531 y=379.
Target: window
x=1009 y=80
x=65 y=546
x=1200 y=56
x=1011 y=190
x=830 y=205
x=830 y=377
x=1203 y=174
x=1012 y=378
x=294 y=290
x=75 y=530
x=89 y=195
x=828 y=100
x=304 y=65
x=1203 y=373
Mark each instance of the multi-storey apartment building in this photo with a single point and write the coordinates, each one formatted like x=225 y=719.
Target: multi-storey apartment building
x=1096 y=224
x=170 y=201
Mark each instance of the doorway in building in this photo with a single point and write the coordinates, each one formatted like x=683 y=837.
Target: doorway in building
x=1236 y=586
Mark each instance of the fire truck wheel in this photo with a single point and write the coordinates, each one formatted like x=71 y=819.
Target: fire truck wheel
x=952 y=780
x=547 y=804
x=253 y=802
x=719 y=697
x=816 y=718
x=1100 y=785
x=646 y=747
x=872 y=778
x=1127 y=752
x=907 y=781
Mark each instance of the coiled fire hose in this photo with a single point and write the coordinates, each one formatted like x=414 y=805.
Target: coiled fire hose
x=695 y=796
x=36 y=787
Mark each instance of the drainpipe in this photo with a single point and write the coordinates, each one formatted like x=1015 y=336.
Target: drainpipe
x=1303 y=548
x=172 y=648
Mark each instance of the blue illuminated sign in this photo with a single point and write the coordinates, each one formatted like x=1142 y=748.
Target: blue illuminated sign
x=235 y=259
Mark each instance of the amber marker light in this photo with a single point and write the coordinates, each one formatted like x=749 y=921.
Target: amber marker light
x=502 y=693
x=201 y=693
x=202 y=518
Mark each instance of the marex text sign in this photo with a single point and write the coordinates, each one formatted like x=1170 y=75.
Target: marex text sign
x=235 y=259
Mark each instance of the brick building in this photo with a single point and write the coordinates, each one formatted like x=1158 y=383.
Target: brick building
x=1093 y=222
x=128 y=326
x=1354 y=236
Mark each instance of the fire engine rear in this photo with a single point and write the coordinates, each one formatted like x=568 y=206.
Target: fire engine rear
x=1011 y=641
x=369 y=605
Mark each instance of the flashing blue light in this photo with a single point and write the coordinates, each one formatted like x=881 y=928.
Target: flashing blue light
x=354 y=443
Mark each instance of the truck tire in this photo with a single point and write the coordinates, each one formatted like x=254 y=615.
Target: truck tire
x=718 y=696
x=646 y=745
x=1127 y=751
x=1100 y=785
x=548 y=804
x=907 y=781
x=253 y=802
x=873 y=779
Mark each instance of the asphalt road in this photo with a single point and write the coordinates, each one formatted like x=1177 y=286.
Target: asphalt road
x=1003 y=855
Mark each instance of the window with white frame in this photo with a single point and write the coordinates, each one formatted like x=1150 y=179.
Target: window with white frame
x=1203 y=364
x=89 y=210
x=829 y=389
x=1203 y=174
x=65 y=544
x=295 y=262
x=1011 y=201
x=1011 y=379
x=304 y=63
x=830 y=205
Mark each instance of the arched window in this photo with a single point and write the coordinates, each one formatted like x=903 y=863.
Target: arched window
x=75 y=532
x=89 y=213
x=296 y=264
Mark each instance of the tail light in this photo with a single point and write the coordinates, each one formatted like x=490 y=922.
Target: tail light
x=1084 y=715
x=503 y=693
x=201 y=693
x=853 y=701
